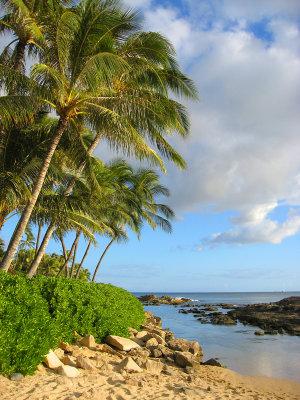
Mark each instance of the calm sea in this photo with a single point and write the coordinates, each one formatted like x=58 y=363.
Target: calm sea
x=236 y=346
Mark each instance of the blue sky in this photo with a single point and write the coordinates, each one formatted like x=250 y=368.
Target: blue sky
x=237 y=205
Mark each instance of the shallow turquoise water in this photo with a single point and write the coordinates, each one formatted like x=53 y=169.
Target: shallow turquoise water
x=236 y=346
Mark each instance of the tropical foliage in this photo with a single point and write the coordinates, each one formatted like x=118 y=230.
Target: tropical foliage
x=36 y=314
x=95 y=78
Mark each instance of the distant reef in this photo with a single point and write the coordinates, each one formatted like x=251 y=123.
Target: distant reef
x=279 y=317
x=152 y=299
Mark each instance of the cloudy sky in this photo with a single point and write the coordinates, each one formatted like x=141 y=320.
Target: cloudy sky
x=238 y=204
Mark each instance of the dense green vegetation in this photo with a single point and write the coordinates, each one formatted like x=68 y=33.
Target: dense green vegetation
x=36 y=314
x=75 y=75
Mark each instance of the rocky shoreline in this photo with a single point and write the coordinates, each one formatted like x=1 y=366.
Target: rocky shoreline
x=272 y=318
x=151 y=365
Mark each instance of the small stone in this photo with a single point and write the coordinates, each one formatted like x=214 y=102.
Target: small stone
x=156 y=353
x=84 y=363
x=69 y=360
x=52 y=361
x=68 y=371
x=133 y=332
x=88 y=341
x=121 y=343
x=129 y=365
x=16 y=377
x=66 y=347
x=259 y=333
x=41 y=368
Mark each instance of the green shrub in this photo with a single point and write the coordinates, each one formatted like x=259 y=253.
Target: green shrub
x=27 y=331
x=35 y=314
x=90 y=308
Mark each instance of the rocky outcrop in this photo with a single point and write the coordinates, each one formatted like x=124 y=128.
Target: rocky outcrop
x=154 y=300
x=158 y=353
x=282 y=316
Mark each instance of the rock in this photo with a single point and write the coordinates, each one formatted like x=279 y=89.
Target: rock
x=156 y=353
x=88 y=341
x=83 y=352
x=52 y=361
x=149 y=314
x=283 y=314
x=121 y=343
x=138 y=341
x=105 y=348
x=185 y=345
x=16 y=377
x=84 y=363
x=133 y=332
x=154 y=367
x=185 y=359
x=68 y=371
x=271 y=332
x=213 y=362
x=259 y=333
x=41 y=368
x=66 y=347
x=140 y=335
x=152 y=335
x=151 y=343
x=129 y=365
x=59 y=353
x=133 y=382
x=140 y=351
x=69 y=360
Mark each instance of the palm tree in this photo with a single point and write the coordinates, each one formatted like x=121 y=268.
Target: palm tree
x=84 y=78
x=145 y=186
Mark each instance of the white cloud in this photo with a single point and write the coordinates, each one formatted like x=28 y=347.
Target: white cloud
x=243 y=151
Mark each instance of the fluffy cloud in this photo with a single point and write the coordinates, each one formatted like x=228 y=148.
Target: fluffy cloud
x=243 y=151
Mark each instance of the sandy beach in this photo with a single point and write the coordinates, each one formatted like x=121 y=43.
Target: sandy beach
x=106 y=382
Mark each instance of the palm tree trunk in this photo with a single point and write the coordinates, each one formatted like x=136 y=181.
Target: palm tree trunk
x=38 y=237
x=74 y=257
x=103 y=254
x=20 y=54
x=70 y=254
x=83 y=258
x=2 y=219
x=65 y=254
x=37 y=259
x=20 y=228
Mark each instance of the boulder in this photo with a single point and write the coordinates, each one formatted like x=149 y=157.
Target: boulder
x=88 y=341
x=52 y=361
x=151 y=343
x=185 y=359
x=259 y=333
x=140 y=351
x=132 y=332
x=105 y=348
x=213 y=362
x=121 y=343
x=68 y=371
x=84 y=363
x=140 y=335
x=129 y=365
x=185 y=345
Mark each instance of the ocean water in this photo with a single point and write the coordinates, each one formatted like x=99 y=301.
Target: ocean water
x=236 y=346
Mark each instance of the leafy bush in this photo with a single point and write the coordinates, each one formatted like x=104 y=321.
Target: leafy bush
x=35 y=314
x=27 y=331
x=90 y=308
